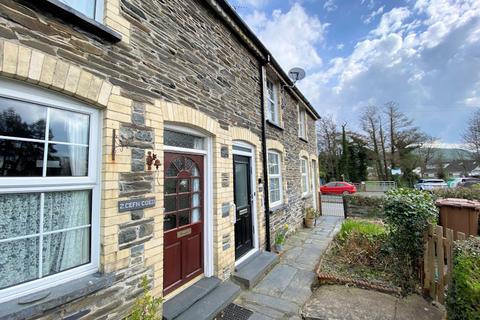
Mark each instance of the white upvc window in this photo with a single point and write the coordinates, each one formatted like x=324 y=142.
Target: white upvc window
x=92 y=9
x=275 y=189
x=49 y=189
x=302 y=123
x=304 y=174
x=273 y=112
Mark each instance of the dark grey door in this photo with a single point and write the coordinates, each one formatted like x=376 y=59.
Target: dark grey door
x=243 y=203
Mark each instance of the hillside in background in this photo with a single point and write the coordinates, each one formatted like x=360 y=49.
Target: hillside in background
x=451 y=154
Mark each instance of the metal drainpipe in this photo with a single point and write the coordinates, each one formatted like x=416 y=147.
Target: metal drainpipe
x=266 y=200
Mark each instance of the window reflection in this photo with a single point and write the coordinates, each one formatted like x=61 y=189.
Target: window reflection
x=67 y=160
x=67 y=126
x=87 y=7
x=23 y=120
x=21 y=159
x=184 y=218
x=182 y=140
x=169 y=222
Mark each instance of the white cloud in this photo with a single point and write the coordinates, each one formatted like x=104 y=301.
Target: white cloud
x=368 y=19
x=392 y=21
x=369 y=3
x=291 y=36
x=249 y=4
x=426 y=57
x=330 y=5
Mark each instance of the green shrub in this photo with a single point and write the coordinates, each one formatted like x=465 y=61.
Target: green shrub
x=146 y=306
x=281 y=235
x=459 y=193
x=463 y=296
x=407 y=214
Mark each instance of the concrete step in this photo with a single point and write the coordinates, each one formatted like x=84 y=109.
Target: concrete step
x=250 y=273
x=214 y=302
x=184 y=300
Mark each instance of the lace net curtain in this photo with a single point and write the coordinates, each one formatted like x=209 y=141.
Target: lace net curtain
x=61 y=250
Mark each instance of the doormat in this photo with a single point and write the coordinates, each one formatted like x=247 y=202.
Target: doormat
x=234 y=312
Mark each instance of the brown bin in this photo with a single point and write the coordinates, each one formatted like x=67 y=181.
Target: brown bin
x=460 y=215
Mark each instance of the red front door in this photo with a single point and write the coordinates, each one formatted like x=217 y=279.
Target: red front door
x=183 y=220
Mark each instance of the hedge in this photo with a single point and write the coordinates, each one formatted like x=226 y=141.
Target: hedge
x=407 y=214
x=365 y=206
x=459 y=193
x=463 y=296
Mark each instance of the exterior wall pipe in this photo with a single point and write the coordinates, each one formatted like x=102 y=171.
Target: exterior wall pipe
x=266 y=198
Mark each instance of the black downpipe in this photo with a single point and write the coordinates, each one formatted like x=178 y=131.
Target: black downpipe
x=266 y=200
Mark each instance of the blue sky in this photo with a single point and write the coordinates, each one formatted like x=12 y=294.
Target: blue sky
x=422 y=54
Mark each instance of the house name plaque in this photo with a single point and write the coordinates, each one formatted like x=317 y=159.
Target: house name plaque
x=136 y=204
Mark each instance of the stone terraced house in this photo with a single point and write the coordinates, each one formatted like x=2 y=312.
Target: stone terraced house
x=138 y=138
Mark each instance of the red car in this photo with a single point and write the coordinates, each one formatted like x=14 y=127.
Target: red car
x=338 y=188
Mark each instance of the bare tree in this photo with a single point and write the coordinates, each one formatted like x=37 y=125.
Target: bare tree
x=383 y=139
x=398 y=122
x=426 y=154
x=471 y=136
x=328 y=145
x=370 y=122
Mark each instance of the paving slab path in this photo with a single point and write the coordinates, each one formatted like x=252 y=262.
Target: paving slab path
x=286 y=288
x=335 y=302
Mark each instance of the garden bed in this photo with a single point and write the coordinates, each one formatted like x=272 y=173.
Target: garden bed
x=358 y=256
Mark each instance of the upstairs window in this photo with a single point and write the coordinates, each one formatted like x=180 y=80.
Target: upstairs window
x=272 y=102
x=274 y=179
x=304 y=172
x=92 y=9
x=302 y=123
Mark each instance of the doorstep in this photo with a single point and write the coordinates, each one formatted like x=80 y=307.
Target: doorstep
x=202 y=300
x=251 y=271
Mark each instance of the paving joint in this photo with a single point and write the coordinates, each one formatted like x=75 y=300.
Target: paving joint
x=284 y=290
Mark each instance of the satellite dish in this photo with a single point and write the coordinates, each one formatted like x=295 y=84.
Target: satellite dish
x=296 y=74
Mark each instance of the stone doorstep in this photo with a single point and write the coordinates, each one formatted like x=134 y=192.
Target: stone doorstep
x=248 y=260
x=184 y=300
x=249 y=274
x=211 y=304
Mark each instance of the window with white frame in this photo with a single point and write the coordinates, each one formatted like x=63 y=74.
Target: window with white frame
x=302 y=123
x=304 y=172
x=273 y=113
x=275 y=178
x=92 y=9
x=49 y=195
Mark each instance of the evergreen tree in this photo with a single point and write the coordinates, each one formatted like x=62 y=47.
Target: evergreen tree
x=358 y=159
x=344 y=160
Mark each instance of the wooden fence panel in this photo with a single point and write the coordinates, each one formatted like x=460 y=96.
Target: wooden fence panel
x=440 y=264
x=438 y=261
x=449 y=253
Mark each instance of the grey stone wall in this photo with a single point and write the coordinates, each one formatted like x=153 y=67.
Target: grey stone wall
x=179 y=51
x=292 y=212
x=113 y=302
